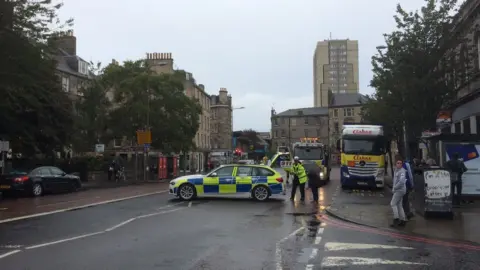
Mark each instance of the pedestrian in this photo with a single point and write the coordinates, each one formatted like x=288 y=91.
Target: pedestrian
x=409 y=184
x=457 y=167
x=398 y=190
x=314 y=182
x=299 y=179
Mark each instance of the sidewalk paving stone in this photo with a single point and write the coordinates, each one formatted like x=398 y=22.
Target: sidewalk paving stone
x=375 y=211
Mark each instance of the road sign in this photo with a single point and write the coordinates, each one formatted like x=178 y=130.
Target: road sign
x=4 y=146
x=144 y=137
x=99 y=148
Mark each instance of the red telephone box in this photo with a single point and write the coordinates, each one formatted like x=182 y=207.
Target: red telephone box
x=162 y=168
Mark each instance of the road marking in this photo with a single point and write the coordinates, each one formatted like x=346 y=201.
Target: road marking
x=190 y=204
x=314 y=253
x=320 y=230
x=318 y=239
x=81 y=207
x=10 y=246
x=309 y=267
x=104 y=231
x=64 y=202
x=278 y=248
x=9 y=253
x=335 y=246
x=120 y=224
x=346 y=261
x=64 y=240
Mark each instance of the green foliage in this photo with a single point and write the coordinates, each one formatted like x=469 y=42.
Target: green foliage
x=35 y=114
x=142 y=100
x=418 y=73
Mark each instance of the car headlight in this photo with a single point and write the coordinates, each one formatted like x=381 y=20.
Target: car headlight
x=345 y=174
x=172 y=183
x=321 y=175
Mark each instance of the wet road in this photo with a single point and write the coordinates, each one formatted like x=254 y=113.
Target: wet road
x=156 y=232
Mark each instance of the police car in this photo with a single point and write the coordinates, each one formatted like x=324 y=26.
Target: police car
x=258 y=181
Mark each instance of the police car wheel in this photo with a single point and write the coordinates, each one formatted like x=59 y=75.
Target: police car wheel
x=261 y=193
x=186 y=192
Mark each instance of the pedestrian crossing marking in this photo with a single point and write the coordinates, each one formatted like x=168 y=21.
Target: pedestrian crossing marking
x=335 y=261
x=336 y=246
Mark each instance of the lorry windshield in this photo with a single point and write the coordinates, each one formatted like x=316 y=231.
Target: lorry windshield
x=372 y=146
x=308 y=153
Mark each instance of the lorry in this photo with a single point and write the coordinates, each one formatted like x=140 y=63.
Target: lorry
x=362 y=156
x=309 y=151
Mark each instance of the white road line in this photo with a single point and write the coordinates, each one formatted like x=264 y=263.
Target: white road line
x=104 y=231
x=64 y=240
x=318 y=239
x=309 y=267
x=4 y=255
x=323 y=224
x=81 y=207
x=347 y=261
x=190 y=204
x=320 y=230
x=120 y=224
x=314 y=253
x=278 y=248
x=10 y=246
x=335 y=246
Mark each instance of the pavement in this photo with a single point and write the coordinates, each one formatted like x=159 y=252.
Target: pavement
x=372 y=208
x=156 y=231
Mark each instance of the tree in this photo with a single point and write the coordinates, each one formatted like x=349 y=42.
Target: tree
x=35 y=114
x=142 y=100
x=419 y=72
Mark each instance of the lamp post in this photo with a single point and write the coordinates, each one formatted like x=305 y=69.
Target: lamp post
x=404 y=127
x=233 y=109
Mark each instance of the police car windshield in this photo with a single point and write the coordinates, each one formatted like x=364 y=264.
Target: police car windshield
x=364 y=146
x=308 y=153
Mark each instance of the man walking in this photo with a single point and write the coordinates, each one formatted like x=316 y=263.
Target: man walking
x=409 y=188
x=314 y=182
x=457 y=167
x=299 y=179
x=399 y=190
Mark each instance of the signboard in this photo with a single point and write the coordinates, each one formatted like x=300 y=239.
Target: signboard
x=4 y=146
x=286 y=164
x=99 y=148
x=444 y=117
x=470 y=154
x=362 y=130
x=438 y=197
x=144 y=137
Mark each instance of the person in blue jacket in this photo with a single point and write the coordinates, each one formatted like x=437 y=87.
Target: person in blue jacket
x=409 y=185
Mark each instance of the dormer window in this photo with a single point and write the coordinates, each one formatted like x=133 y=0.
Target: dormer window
x=83 y=67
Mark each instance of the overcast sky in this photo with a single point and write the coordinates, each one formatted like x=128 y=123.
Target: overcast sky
x=260 y=50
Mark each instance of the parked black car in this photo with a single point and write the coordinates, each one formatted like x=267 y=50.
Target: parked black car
x=39 y=181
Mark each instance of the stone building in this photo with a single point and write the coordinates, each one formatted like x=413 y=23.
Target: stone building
x=343 y=109
x=73 y=71
x=465 y=111
x=291 y=125
x=221 y=125
x=194 y=161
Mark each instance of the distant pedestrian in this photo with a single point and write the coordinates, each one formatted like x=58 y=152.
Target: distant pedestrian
x=409 y=184
x=314 y=181
x=299 y=179
x=399 y=190
x=457 y=167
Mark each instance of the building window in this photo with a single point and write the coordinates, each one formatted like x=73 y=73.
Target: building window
x=342 y=91
x=336 y=127
x=292 y=121
x=348 y=112
x=335 y=112
x=275 y=121
x=466 y=126
x=319 y=120
x=83 y=67
x=276 y=133
x=283 y=133
x=458 y=128
x=66 y=84
x=305 y=120
x=306 y=133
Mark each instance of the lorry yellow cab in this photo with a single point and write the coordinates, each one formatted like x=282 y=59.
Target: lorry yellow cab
x=363 y=149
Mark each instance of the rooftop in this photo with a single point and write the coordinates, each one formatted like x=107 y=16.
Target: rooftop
x=311 y=111
x=342 y=100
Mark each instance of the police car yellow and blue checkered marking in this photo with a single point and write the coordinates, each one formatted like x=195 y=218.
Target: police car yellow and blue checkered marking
x=229 y=184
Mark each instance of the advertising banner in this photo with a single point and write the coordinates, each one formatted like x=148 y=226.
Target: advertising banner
x=469 y=152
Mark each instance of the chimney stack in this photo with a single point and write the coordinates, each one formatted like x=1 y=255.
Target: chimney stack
x=65 y=41
x=223 y=96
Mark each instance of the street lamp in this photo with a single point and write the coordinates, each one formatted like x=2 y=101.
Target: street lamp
x=233 y=109
x=405 y=138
